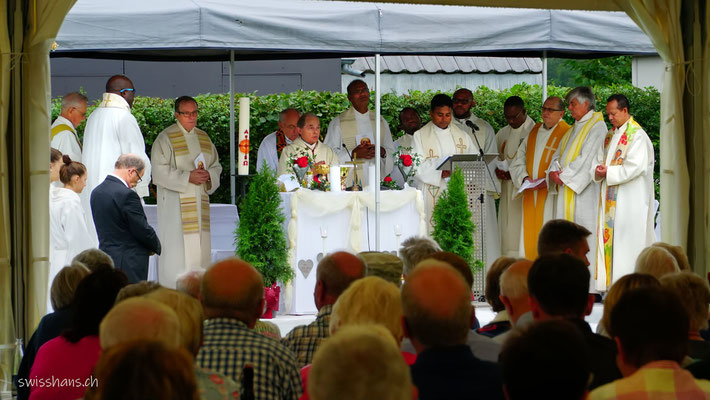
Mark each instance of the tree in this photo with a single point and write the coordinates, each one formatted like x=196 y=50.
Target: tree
x=260 y=238
x=594 y=72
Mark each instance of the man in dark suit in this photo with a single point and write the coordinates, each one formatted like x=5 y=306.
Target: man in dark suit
x=123 y=230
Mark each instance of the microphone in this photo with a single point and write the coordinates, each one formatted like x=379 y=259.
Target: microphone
x=348 y=151
x=471 y=125
x=474 y=128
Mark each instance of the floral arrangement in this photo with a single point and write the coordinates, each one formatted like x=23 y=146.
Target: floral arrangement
x=407 y=162
x=389 y=183
x=301 y=162
x=320 y=183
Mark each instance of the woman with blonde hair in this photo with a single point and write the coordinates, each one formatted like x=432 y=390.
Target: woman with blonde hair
x=618 y=289
x=694 y=293
x=656 y=261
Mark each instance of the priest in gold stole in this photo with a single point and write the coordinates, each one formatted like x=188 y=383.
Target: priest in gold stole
x=531 y=164
x=186 y=171
x=436 y=141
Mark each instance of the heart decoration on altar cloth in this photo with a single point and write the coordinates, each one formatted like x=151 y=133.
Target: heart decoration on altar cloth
x=305 y=266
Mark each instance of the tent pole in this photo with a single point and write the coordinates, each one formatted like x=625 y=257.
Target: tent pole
x=544 y=75
x=378 y=127
x=232 y=167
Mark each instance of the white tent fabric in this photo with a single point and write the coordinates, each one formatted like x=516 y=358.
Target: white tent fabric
x=208 y=29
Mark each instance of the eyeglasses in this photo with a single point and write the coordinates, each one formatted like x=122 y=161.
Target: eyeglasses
x=188 y=113
x=140 y=178
x=126 y=90
x=550 y=109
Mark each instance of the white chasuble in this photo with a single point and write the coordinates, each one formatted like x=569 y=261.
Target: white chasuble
x=632 y=221
x=183 y=207
x=318 y=152
x=510 y=209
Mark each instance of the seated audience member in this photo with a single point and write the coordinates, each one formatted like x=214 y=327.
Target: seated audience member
x=385 y=265
x=621 y=286
x=656 y=261
x=649 y=354
x=143 y=369
x=436 y=302
x=308 y=143
x=694 y=295
x=74 y=354
x=562 y=236
x=137 y=289
x=546 y=360
x=678 y=253
x=515 y=296
x=189 y=283
x=51 y=325
x=559 y=288
x=334 y=274
x=501 y=321
x=232 y=294
x=139 y=318
x=211 y=385
x=360 y=362
x=414 y=250
x=93 y=258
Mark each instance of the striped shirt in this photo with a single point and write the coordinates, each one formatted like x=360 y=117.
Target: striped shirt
x=304 y=340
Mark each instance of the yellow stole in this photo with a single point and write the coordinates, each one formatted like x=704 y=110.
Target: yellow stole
x=195 y=232
x=534 y=211
x=575 y=147
x=62 y=128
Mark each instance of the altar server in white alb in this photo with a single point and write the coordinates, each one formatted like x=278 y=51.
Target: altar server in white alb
x=186 y=171
x=531 y=164
x=436 y=141
x=510 y=209
x=577 y=192
x=352 y=133
x=273 y=144
x=111 y=130
x=64 y=137
x=483 y=135
x=624 y=166
x=307 y=144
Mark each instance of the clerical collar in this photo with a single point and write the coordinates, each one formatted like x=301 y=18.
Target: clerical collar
x=439 y=130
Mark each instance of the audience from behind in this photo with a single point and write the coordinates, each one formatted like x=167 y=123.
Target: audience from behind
x=436 y=302
x=414 y=250
x=385 y=265
x=649 y=354
x=232 y=294
x=189 y=283
x=501 y=321
x=621 y=286
x=137 y=289
x=562 y=236
x=546 y=360
x=559 y=289
x=678 y=253
x=51 y=325
x=334 y=274
x=515 y=297
x=143 y=369
x=656 y=261
x=694 y=295
x=93 y=258
x=360 y=362
x=139 y=318
x=74 y=354
x=190 y=316
x=457 y=262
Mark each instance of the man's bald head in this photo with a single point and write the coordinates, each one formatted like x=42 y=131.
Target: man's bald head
x=233 y=288
x=437 y=305
x=140 y=318
x=122 y=86
x=335 y=273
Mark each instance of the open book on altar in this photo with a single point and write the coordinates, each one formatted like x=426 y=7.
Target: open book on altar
x=446 y=165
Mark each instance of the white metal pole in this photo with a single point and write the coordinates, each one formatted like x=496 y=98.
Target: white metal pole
x=544 y=75
x=232 y=167
x=378 y=93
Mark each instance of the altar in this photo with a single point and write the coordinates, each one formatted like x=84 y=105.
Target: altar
x=319 y=223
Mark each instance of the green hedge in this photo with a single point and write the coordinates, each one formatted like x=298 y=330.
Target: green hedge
x=154 y=114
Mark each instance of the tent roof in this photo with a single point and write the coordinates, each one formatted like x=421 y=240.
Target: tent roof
x=208 y=29
x=450 y=64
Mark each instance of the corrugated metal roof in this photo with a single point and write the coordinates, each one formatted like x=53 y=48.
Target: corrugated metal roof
x=451 y=64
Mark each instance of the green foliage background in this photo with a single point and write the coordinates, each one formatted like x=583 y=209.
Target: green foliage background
x=155 y=114
x=260 y=237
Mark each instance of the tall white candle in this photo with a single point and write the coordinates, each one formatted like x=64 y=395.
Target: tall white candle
x=334 y=178
x=243 y=135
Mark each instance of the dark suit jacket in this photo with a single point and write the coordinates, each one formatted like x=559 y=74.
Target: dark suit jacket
x=123 y=230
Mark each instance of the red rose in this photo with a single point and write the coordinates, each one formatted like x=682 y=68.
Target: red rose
x=302 y=161
x=406 y=160
x=388 y=179
x=315 y=179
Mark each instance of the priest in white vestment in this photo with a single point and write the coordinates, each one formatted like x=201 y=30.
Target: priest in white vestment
x=577 y=193
x=508 y=140
x=624 y=166
x=186 y=171
x=63 y=132
x=307 y=144
x=484 y=138
x=434 y=143
x=530 y=165
x=111 y=130
x=273 y=144
x=409 y=122
x=352 y=134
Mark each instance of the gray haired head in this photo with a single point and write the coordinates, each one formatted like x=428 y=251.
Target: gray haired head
x=583 y=94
